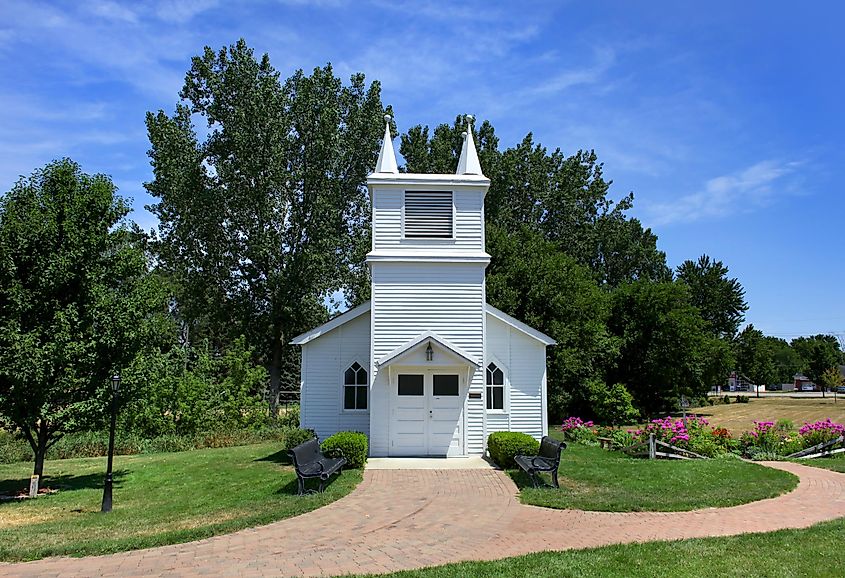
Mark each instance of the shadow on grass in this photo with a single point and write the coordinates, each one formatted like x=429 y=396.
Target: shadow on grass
x=523 y=480
x=65 y=482
x=291 y=488
x=280 y=457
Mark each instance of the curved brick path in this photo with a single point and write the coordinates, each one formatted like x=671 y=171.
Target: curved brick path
x=400 y=519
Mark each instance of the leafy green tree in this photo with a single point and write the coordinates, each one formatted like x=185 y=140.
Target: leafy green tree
x=786 y=359
x=564 y=198
x=612 y=405
x=666 y=347
x=720 y=299
x=818 y=354
x=831 y=377
x=266 y=216
x=195 y=389
x=75 y=301
x=532 y=280
x=755 y=356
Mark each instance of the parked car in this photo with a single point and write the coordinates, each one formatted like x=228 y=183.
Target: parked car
x=840 y=389
x=808 y=387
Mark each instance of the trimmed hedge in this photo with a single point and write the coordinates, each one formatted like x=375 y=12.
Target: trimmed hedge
x=504 y=445
x=350 y=444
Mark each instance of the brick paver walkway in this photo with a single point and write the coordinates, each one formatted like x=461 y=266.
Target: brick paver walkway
x=400 y=519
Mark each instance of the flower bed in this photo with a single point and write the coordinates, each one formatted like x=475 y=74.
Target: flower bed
x=767 y=440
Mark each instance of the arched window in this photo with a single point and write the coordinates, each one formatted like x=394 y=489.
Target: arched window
x=495 y=387
x=355 y=387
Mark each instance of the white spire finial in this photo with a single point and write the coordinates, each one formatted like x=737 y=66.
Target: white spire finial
x=469 y=163
x=386 y=157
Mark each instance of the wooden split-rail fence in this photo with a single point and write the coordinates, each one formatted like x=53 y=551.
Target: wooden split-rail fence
x=654 y=448
x=823 y=449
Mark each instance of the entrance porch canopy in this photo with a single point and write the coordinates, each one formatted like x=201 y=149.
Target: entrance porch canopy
x=414 y=352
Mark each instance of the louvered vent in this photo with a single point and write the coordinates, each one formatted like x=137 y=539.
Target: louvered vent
x=428 y=214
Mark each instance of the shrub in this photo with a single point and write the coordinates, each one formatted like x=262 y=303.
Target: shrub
x=290 y=415
x=692 y=433
x=768 y=438
x=96 y=443
x=726 y=400
x=349 y=444
x=742 y=399
x=613 y=405
x=819 y=432
x=504 y=445
x=296 y=436
x=577 y=430
x=619 y=438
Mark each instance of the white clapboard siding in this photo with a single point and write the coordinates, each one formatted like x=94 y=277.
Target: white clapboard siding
x=388 y=213
x=410 y=298
x=324 y=360
x=524 y=360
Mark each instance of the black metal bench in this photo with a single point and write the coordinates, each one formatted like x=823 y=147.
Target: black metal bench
x=547 y=460
x=309 y=462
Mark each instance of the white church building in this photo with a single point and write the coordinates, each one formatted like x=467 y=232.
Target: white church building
x=427 y=367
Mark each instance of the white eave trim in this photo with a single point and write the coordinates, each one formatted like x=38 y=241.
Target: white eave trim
x=344 y=317
x=407 y=256
x=403 y=179
x=423 y=338
x=517 y=324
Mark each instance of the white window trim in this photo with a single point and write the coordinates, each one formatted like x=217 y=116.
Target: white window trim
x=430 y=240
x=506 y=397
x=342 y=389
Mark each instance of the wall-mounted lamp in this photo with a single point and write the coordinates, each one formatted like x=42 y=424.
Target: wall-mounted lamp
x=429 y=352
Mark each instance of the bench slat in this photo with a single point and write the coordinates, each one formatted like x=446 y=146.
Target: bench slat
x=547 y=460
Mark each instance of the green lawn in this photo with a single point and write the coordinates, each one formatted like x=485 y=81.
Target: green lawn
x=816 y=551
x=158 y=499
x=595 y=479
x=835 y=463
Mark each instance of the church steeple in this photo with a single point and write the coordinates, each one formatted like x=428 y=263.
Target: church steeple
x=387 y=157
x=469 y=163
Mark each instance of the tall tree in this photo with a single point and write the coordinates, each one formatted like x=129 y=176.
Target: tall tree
x=720 y=299
x=818 y=353
x=755 y=356
x=75 y=299
x=266 y=217
x=564 y=198
x=787 y=361
x=666 y=348
x=532 y=280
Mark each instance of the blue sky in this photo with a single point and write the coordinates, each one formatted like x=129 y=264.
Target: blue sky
x=723 y=118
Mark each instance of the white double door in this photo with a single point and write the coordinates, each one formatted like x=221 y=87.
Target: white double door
x=427 y=414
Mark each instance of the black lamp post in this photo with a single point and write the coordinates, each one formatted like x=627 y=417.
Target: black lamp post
x=115 y=390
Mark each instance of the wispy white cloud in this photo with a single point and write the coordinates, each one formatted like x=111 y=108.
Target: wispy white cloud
x=112 y=11
x=567 y=78
x=741 y=192
x=182 y=11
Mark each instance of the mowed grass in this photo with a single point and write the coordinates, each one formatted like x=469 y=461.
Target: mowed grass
x=595 y=479
x=835 y=463
x=158 y=499
x=740 y=417
x=812 y=552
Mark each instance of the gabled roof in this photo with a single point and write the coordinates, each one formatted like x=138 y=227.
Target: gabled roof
x=334 y=323
x=517 y=324
x=427 y=336
x=356 y=312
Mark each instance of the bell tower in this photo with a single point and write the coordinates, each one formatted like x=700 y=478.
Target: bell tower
x=427 y=265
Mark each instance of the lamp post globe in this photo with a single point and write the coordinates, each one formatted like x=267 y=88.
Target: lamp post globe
x=107 y=489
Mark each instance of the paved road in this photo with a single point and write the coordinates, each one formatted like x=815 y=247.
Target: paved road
x=402 y=519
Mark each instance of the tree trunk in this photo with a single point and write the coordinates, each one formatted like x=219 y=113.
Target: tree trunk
x=40 y=450
x=275 y=378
